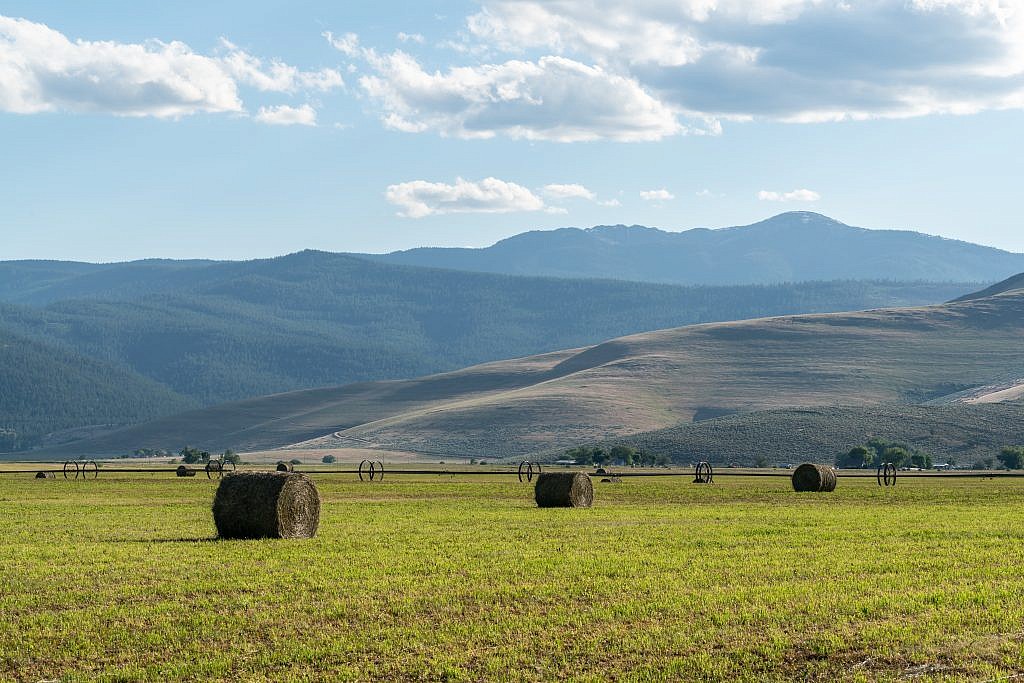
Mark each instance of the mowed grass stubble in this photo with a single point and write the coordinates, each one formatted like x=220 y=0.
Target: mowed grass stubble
x=439 y=578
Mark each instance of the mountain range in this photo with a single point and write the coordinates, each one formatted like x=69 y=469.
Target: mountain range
x=790 y=247
x=88 y=347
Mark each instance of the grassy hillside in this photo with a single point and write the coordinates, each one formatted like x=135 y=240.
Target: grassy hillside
x=1008 y=285
x=794 y=246
x=963 y=434
x=215 y=332
x=634 y=384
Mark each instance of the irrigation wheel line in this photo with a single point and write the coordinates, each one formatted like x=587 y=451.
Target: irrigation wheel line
x=704 y=474
x=218 y=467
x=529 y=470
x=378 y=472
x=373 y=469
x=82 y=468
x=886 y=474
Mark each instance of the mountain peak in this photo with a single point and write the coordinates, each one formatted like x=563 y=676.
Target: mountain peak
x=790 y=247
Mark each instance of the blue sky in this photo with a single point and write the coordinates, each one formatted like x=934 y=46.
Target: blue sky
x=249 y=129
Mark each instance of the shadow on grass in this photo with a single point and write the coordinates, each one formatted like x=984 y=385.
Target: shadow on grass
x=147 y=541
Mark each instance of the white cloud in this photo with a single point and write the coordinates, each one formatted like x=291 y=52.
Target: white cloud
x=277 y=76
x=553 y=98
x=610 y=202
x=284 y=115
x=656 y=195
x=411 y=37
x=790 y=60
x=570 y=191
x=42 y=70
x=707 y=194
x=794 y=196
x=347 y=44
x=420 y=198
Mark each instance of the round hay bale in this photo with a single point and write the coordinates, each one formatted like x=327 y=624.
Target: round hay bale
x=283 y=466
x=266 y=505
x=183 y=471
x=45 y=475
x=813 y=477
x=563 y=490
x=611 y=480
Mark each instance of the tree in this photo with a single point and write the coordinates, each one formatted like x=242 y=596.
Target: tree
x=295 y=461
x=1012 y=457
x=598 y=456
x=581 y=455
x=231 y=457
x=760 y=461
x=190 y=455
x=866 y=457
x=328 y=459
x=922 y=460
x=897 y=455
x=623 y=454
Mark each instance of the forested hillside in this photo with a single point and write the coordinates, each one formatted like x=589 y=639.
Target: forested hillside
x=45 y=389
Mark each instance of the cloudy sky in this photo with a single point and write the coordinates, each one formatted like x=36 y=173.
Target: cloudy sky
x=245 y=129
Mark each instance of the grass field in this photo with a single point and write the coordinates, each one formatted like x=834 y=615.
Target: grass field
x=434 y=578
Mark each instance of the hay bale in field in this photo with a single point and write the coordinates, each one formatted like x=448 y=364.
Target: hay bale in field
x=45 y=475
x=283 y=466
x=266 y=505
x=183 y=471
x=813 y=477
x=563 y=490
x=611 y=480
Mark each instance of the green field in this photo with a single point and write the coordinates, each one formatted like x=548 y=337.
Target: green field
x=435 y=578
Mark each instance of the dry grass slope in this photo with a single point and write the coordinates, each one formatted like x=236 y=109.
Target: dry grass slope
x=639 y=383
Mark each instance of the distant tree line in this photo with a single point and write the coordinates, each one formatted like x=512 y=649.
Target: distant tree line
x=878 y=451
x=626 y=456
x=191 y=456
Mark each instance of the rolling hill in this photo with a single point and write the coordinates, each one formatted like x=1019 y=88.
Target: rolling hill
x=633 y=384
x=208 y=332
x=958 y=434
x=789 y=247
